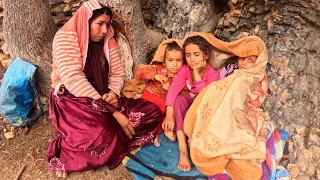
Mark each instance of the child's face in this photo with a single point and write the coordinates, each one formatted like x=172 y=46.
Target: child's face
x=246 y=62
x=173 y=61
x=194 y=55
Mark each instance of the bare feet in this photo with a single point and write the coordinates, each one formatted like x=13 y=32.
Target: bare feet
x=61 y=174
x=184 y=162
x=171 y=135
x=156 y=141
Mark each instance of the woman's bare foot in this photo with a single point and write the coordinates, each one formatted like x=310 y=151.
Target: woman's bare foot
x=62 y=174
x=156 y=141
x=184 y=162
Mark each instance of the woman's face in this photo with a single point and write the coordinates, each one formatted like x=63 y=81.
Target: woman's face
x=194 y=55
x=99 y=28
x=246 y=62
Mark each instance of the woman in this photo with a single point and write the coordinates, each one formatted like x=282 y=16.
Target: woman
x=94 y=127
x=225 y=124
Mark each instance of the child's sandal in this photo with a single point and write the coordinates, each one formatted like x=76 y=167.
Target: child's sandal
x=171 y=135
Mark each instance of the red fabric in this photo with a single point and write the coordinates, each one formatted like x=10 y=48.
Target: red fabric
x=89 y=137
x=147 y=72
x=159 y=101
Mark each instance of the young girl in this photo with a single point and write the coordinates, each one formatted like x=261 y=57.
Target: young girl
x=161 y=77
x=194 y=76
x=220 y=136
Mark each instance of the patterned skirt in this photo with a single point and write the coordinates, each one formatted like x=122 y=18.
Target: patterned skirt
x=88 y=138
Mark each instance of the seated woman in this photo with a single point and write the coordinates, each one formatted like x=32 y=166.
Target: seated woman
x=225 y=124
x=94 y=127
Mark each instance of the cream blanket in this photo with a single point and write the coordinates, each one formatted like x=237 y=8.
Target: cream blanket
x=225 y=123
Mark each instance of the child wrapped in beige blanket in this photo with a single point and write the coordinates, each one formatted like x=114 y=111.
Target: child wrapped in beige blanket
x=225 y=124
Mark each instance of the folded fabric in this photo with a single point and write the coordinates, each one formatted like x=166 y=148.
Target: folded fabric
x=276 y=140
x=150 y=161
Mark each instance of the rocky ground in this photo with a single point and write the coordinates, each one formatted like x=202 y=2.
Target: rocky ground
x=29 y=151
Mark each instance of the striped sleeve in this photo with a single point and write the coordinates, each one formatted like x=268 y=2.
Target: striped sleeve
x=116 y=76
x=66 y=53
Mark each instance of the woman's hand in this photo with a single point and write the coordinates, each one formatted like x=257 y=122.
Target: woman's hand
x=165 y=85
x=161 y=78
x=124 y=122
x=168 y=123
x=111 y=98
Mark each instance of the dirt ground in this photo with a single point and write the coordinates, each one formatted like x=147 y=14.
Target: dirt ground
x=30 y=150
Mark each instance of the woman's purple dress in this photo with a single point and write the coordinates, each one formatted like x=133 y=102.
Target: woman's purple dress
x=88 y=136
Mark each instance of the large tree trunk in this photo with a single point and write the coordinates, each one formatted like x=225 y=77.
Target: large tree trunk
x=29 y=31
x=129 y=16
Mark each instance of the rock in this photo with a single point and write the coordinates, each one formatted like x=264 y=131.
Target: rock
x=67 y=1
x=58 y=9
x=5 y=63
x=302 y=166
x=4 y=48
x=293 y=170
x=314 y=138
x=2 y=70
x=178 y=17
x=301 y=130
x=302 y=177
x=76 y=4
x=9 y=135
x=284 y=94
x=67 y=8
x=276 y=62
x=53 y=2
x=125 y=55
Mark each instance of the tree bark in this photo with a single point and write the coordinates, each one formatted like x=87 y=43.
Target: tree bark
x=29 y=31
x=129 y=17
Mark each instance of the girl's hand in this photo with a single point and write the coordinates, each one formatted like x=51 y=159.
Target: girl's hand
x=161 y=78
x=168 y=123
x=111 y=98
x=127 y=126
x=165 y=85
x=200 y=66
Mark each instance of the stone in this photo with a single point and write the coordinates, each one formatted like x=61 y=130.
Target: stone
x=302 y=166
x=270 y=24
x=58 y=9
x=314 y=138
x=179 y=18
x=287 y=41
x=76 y=4
x=234 y=1
x=5 y=63
x=67 y=8
x=3 y=56
x=2 y=70
x=302 y=177
x=293 y=170
x=4 y=48
x=276 y=62
x=125 y=55
x=9 y=135
x=284 y=94
x=67 y=1
x=301 y=129
x=54 y=2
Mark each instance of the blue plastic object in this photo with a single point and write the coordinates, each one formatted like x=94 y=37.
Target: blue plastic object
x=17 y=92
